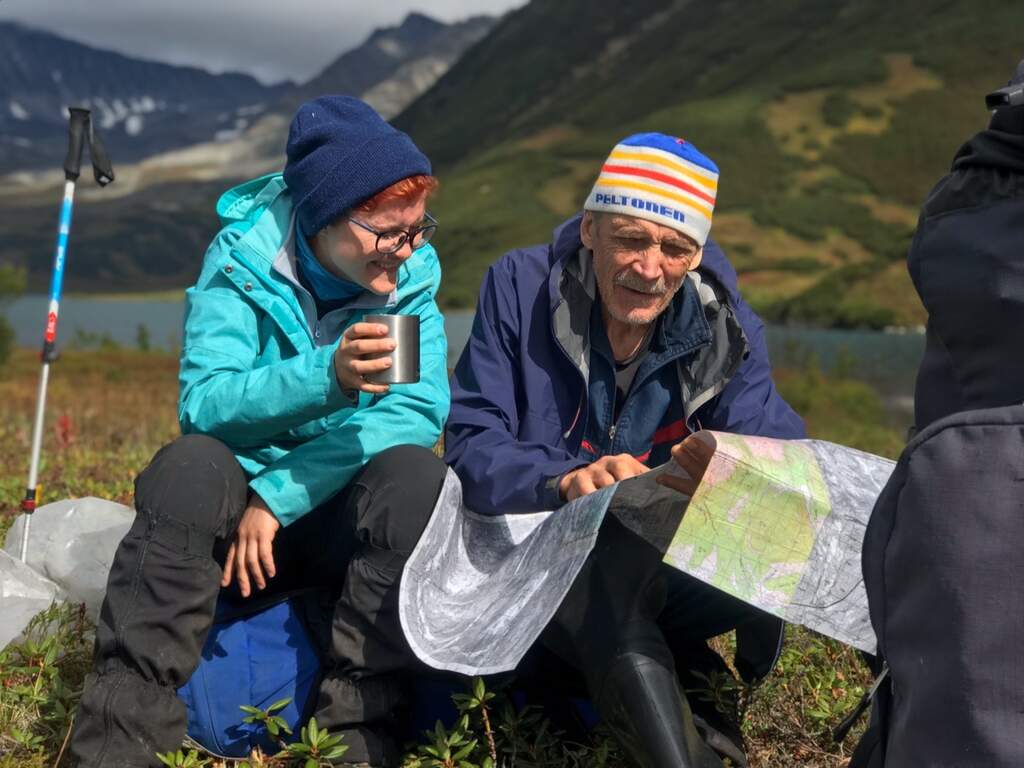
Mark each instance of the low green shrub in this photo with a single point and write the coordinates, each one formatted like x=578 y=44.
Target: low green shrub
x=837 y=109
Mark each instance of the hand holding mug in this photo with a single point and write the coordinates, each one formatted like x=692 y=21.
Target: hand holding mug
x=364 y=349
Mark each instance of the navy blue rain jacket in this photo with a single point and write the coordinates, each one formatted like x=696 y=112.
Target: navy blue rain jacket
x=522 y=392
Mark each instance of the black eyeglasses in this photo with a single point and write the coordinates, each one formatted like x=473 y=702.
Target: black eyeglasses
x=393 y=239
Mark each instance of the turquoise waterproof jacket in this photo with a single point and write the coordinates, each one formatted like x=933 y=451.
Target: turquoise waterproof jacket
x=253 y=377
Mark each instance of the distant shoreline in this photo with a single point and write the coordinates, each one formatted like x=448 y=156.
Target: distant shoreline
x=178 y=294
x=170 y=294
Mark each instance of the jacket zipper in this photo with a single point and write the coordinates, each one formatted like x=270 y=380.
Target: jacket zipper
x=583 y=394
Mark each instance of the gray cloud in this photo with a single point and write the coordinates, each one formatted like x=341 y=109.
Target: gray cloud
x=268 y=39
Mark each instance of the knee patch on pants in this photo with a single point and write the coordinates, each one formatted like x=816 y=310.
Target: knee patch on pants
x=400 y=487
x=196 y=482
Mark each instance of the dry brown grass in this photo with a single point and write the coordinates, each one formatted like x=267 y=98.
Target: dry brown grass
x=106 y=414
x=109 y=411
x=797 y=121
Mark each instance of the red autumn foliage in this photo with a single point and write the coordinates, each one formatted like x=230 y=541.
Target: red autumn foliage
x=64 y=430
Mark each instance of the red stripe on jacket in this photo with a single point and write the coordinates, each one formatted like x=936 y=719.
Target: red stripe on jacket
x=673 y=432
x=670 y=433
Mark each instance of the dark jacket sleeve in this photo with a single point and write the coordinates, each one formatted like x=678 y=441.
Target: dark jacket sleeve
x=750 y=404
x=500 y=474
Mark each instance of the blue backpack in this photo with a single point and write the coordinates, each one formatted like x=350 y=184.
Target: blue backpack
x=258 y=658
x=253 y=660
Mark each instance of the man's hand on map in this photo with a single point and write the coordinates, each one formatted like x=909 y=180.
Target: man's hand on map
x=693 y=455
x=605 y=471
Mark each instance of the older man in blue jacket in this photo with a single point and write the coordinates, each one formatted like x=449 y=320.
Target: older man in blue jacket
x=590 y=359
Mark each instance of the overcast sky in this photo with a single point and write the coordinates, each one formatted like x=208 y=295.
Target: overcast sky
x=269 y=39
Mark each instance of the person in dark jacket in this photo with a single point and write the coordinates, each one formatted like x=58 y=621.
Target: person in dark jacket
x=942 y=550
x=965 y=264
x=589 y=359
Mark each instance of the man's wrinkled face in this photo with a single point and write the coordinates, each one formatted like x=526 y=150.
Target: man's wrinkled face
x=639 y=264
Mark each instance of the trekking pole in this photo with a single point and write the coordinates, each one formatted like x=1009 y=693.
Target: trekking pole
x=79 y=132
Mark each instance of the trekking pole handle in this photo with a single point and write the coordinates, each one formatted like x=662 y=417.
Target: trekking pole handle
x=77 y=128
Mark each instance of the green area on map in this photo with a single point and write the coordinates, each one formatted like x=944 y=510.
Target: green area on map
x=750 y=526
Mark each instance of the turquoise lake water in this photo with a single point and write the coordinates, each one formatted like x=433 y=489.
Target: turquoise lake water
x=886 y=360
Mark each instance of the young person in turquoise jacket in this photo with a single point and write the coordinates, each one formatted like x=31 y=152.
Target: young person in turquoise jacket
x=293 y=470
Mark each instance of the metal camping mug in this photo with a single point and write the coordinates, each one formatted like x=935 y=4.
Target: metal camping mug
x=405 y=358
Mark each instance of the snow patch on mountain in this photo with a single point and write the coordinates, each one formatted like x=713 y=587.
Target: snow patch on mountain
x=250 y=110
x=391 y=47
x=133 y=125
x=232 y=133
x=127 y=112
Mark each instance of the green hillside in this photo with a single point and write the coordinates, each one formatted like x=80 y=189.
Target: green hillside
x=830 y=122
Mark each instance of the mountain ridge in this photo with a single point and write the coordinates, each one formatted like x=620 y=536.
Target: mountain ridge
x=138 y=104
x=830 y=123
x=385 y=51
x=149 y=229
x=145 y=108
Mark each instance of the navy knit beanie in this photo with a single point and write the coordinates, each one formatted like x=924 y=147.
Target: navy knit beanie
x=340 y=153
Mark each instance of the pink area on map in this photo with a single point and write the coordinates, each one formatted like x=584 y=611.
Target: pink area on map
x=719 y=470
x=760 y=447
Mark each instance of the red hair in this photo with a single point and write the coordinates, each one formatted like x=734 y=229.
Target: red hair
x=410 y=189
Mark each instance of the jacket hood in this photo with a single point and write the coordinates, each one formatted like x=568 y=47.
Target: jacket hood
x=965 y=264
x=1010 y=119
x=259 y=214
x=1000 y=149
x=248 y=200
x=1002 y=145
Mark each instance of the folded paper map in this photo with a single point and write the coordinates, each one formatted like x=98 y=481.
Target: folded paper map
x=776 y=523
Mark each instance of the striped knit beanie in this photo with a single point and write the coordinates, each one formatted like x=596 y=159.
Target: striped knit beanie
x=659 y=178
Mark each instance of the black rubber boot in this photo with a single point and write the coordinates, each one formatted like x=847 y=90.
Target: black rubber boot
x=366 y=714
x=641 y=703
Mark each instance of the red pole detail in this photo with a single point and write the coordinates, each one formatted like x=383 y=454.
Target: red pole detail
x=51 y=327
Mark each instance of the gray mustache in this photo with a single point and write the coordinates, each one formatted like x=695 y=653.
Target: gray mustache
x=634 y=283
